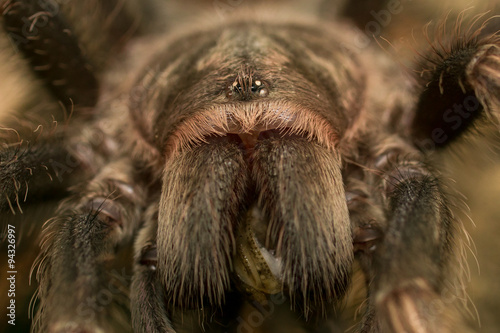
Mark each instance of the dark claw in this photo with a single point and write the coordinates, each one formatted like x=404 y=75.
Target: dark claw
x=149 y=257
x=366 y=237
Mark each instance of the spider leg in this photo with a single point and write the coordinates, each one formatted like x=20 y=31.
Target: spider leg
x=483 y=74
x=149 y=311
x=68 y=45
x=460 y=85
x=35 y=170
x=39 y=32
x=411 y=285
x=76 y=291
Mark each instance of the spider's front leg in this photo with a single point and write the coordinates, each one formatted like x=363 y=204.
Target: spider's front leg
x=411 y=269
x=76 y=290
x=149 y=310
x=413 y=286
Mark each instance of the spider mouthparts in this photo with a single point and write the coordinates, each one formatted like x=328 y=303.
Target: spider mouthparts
x=252 y=121
x=249 y=140
x=257 y=270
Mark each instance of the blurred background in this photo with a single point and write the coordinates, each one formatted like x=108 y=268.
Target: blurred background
x=473 y=167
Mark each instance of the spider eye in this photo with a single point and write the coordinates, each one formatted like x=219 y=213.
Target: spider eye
x=258 y=87
x=244 y=90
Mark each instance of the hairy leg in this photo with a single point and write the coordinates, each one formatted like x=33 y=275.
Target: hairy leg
x=412 y=284
x=78 y=246
x=149 y=310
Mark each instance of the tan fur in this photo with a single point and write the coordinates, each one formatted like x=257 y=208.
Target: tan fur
x=287 y=118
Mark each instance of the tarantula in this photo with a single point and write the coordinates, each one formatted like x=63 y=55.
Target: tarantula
x=254 y=164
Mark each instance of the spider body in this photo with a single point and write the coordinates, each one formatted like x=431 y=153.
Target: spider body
x=249 y=162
